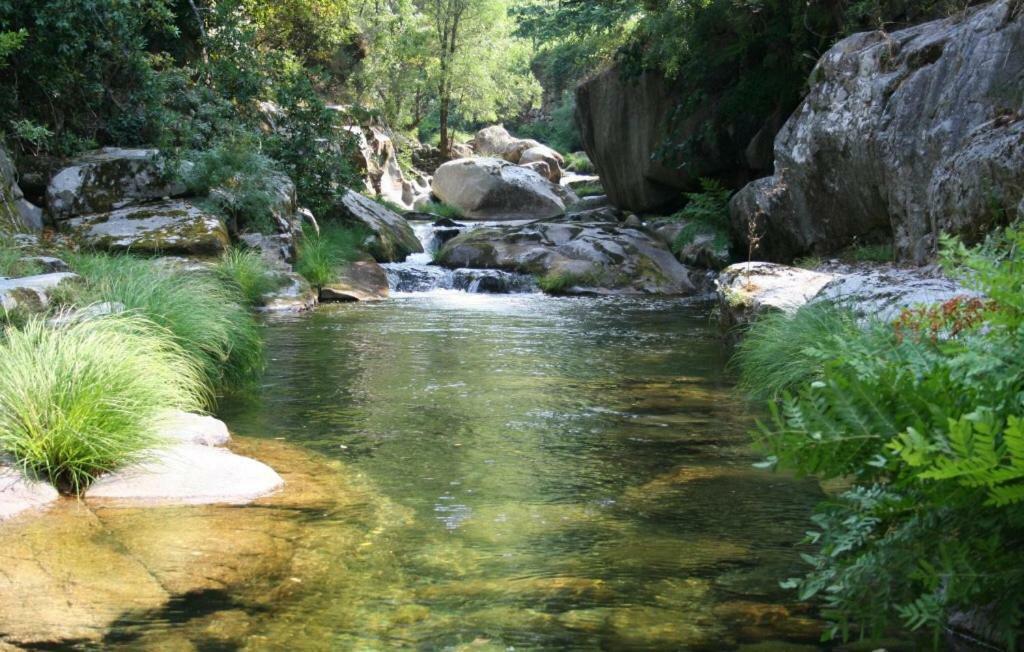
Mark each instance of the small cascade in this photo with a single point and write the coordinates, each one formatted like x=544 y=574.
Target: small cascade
x=418 y=273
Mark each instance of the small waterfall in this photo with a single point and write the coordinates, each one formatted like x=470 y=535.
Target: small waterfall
x=418 y=273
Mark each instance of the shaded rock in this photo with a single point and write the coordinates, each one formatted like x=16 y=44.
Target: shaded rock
x=746 y=290
x=17 y=214
x=294 y=295
x=362 y=280
x=488 y=188
x=188 y=474
x=31 y=293
x=188 y=428
x=546 y=155
x=169 y=227
x=590 y=203
x=903 y=136
x=704 y=249
x=19 y=493
x=277 y=250
x=108 y=179
x=391 y=239
x=541 y=168
x=607 y=214
x=592 y=258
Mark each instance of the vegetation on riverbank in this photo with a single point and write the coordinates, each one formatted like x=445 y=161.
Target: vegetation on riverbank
x=322 y=254
x=923 y=416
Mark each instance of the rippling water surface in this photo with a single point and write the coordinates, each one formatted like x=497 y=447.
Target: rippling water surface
x=563 y=474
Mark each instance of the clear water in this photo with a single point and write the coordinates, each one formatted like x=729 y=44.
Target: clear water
x=565 y=474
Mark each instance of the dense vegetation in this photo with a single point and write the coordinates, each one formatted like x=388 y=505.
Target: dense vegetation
x=923 y=418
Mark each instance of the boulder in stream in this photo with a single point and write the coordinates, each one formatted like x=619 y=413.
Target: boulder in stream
x=362 y=280
x=490 y=188
x=391 y=237
x=583 y=259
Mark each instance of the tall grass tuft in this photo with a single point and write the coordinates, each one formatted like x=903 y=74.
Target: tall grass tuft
x=12 y=259
x=249 y=273
x=81 y=399
x=782 y=352
x=442 y=210
x=206 y=316
x=321 y=254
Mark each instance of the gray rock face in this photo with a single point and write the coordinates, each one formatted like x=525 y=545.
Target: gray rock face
x=19 y=493
x=108 y=179
x=31 y=293
x=489 y=188
x=16 y=213
x=169 y=227
x=391 y=239
x=872 y=292
x=589 y=259
x=902 y=136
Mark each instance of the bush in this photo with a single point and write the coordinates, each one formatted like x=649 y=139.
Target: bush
x=321 y=254
x=579 y=163
x=206 y=317
x=706 y=211
x=247 y=271
x=82 y=399
x=925 y=418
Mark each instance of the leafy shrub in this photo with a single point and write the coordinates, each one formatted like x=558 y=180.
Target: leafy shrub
x=81 y=399
x=706 y=211
x=206 y=317
x=579 y=163
x=924 y=417
x=248 y=272
x=239 y=182
x=321 y=254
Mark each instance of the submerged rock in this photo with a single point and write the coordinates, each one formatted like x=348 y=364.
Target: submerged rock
x=592 y=258
x=169 y=227
x=391 y=237
x=110 y=178
x=490 y=188
x=903 y=136
x=362 y=280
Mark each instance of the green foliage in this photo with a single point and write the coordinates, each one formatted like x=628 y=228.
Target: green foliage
x=882 y=253
x=559 y=130
x=784 y=351
x=589 y=190
x=206 y=317
x=559 y=282
x=442 y=210
x=579 y=163
x=706 y=212
x=247 y=271
x=924 y=417
x=388 y=204
x=83 y=398
x=12 y=260
x=322 y=254
x=239 y=183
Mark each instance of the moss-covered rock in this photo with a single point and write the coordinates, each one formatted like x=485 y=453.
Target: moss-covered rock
x=168 y=227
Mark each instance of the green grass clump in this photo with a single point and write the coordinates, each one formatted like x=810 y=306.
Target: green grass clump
x=442 y=210
x=321 y=254
x=783 y=351
x=882 y=253
x=206 y=316
x=588 y=190
x=558 y=282
x=247 y=271
x=394 y=207
x=83 y=398
x=579 y=163
x=12 y=262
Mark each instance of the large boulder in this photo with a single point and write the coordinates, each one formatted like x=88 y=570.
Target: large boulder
x=108 y=179
x=391 y=237
x=362 y=280
x=490 y=188
x=902 y=137
x=576 y=259
x=17 y=214
x=168 y=227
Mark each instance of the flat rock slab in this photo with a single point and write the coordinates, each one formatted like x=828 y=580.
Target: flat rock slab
x=168 y=227
x=747 y=290
x=189 y=474
x=19 y=493
x=189 y=428
x=31 y=292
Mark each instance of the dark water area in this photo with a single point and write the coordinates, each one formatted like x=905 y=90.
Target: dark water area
x=561 y=474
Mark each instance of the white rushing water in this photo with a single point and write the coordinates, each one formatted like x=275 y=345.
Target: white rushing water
x=418 y=273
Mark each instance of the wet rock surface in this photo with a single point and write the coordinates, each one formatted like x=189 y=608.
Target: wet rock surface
x=593 y=258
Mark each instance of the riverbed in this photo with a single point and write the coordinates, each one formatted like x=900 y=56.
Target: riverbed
x=568 y=473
